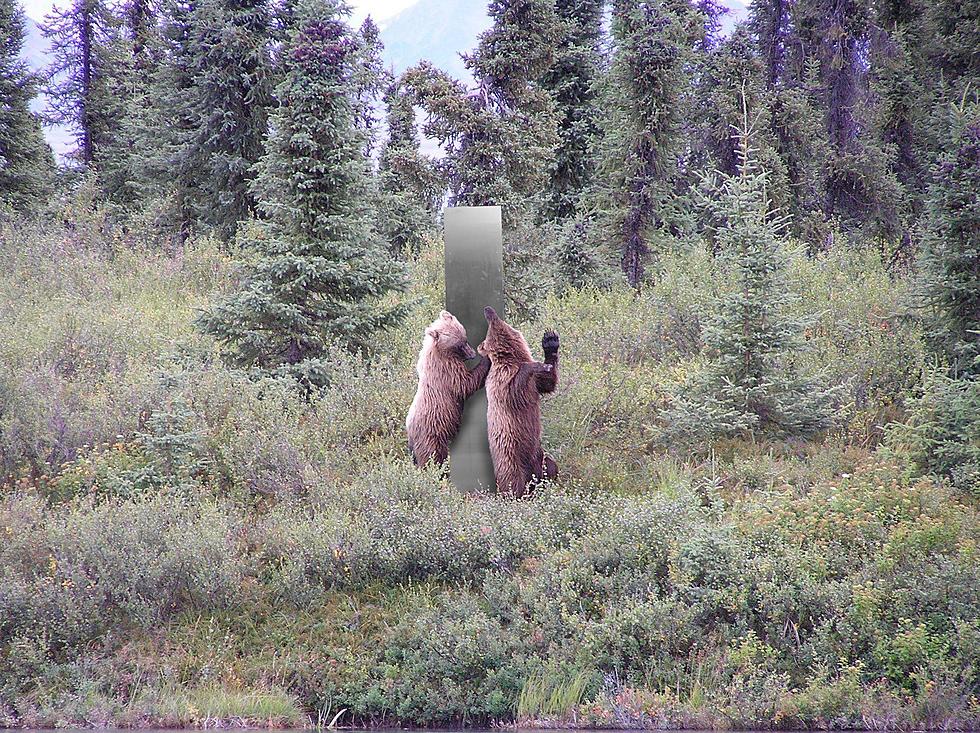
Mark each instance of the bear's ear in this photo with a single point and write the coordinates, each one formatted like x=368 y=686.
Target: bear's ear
x=446 y=315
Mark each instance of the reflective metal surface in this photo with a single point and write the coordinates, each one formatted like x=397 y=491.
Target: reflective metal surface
x=474 y=279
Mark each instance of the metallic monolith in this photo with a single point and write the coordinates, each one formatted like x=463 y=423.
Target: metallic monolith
x=474 y=279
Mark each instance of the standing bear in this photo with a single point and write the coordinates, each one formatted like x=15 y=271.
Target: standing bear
x=445 y=383
x=514 y=388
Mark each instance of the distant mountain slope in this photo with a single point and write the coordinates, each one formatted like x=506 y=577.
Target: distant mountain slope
x=436 y=30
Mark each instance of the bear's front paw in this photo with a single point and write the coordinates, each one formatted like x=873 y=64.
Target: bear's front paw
x=550 y=342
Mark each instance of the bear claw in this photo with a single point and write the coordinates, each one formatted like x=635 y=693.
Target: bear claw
x=549 y=342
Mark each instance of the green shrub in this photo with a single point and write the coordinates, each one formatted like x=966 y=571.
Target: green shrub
x=447 y=662
x=942 y=434
x=83 y=570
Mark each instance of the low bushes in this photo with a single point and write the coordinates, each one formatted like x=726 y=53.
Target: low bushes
x=184 y=544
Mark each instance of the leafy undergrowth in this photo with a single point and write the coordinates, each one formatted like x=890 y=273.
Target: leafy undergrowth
x=183 y=544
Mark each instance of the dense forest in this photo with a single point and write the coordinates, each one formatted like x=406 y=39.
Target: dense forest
x=761 y=250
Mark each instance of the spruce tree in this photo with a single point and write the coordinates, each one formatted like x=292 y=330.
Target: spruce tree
x=157 y=177
x=321 y=272
x=85 y=51
x=26 y=163
x=638 y=160
x=751 y=383
x=370 y=79
x=801 y=142
x=735 y=73
x=951 y=245
x=573 y=256
x=501 y=136
x=137 y=52
x=141 y=27
x=770 y=22
x=572 y=82
x=951 y=29
x=409 y=187
x=860 y=190
x=228 y=105
x=898 y=122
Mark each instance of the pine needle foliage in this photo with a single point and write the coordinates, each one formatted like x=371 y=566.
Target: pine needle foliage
x=951 y=245
x=26 y=164
x=752 y=382
x=321 y=272
x=638 y=157
x=409 y=187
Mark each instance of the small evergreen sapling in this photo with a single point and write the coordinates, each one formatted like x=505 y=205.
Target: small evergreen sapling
x=751 y=383
x=321 y=272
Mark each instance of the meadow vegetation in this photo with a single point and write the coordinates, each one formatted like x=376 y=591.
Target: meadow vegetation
x=185 y=543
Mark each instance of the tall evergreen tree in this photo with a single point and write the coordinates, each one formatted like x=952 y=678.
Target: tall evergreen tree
x=751 y=383
x=138 y=51
x=709 y=34
x=770 y=22
x=952 y=28
x=801 y=142
x=500 y=137
x=572 y=82
x=228 y=106
x=371 y=80
x=85 y=50
x=734 y=72
x=141 y=25
x=638 y=164
x=321 y=272
x=898 y=121
x=26 y=163
x=951 y=245
x=859 y=187
x=161 y=122
x=409 y=187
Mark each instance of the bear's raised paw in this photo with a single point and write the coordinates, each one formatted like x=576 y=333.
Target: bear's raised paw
x=549 y=342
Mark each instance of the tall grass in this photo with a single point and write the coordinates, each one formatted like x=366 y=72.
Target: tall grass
x=551 y=695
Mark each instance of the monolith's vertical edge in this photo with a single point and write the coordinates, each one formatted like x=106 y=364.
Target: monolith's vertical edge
x=474 y=279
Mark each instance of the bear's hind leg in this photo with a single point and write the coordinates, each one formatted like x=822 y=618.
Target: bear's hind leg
x=550 y=468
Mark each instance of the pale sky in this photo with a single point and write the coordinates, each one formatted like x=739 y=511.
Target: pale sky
x=378 y=9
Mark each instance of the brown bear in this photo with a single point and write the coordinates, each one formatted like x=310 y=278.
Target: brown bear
x=514 y=388
x=445 y=383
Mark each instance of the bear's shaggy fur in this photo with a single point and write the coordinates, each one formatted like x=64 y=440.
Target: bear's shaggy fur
x=514 y=388
x=445 y=383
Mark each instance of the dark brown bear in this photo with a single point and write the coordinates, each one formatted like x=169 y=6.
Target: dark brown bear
x=514 y=388
x=445 y=383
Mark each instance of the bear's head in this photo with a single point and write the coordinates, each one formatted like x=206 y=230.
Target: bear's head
x=446 y=338
x=504 y=343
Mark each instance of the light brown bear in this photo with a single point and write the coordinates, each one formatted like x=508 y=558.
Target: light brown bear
x=514 y=388
x=445 y=383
